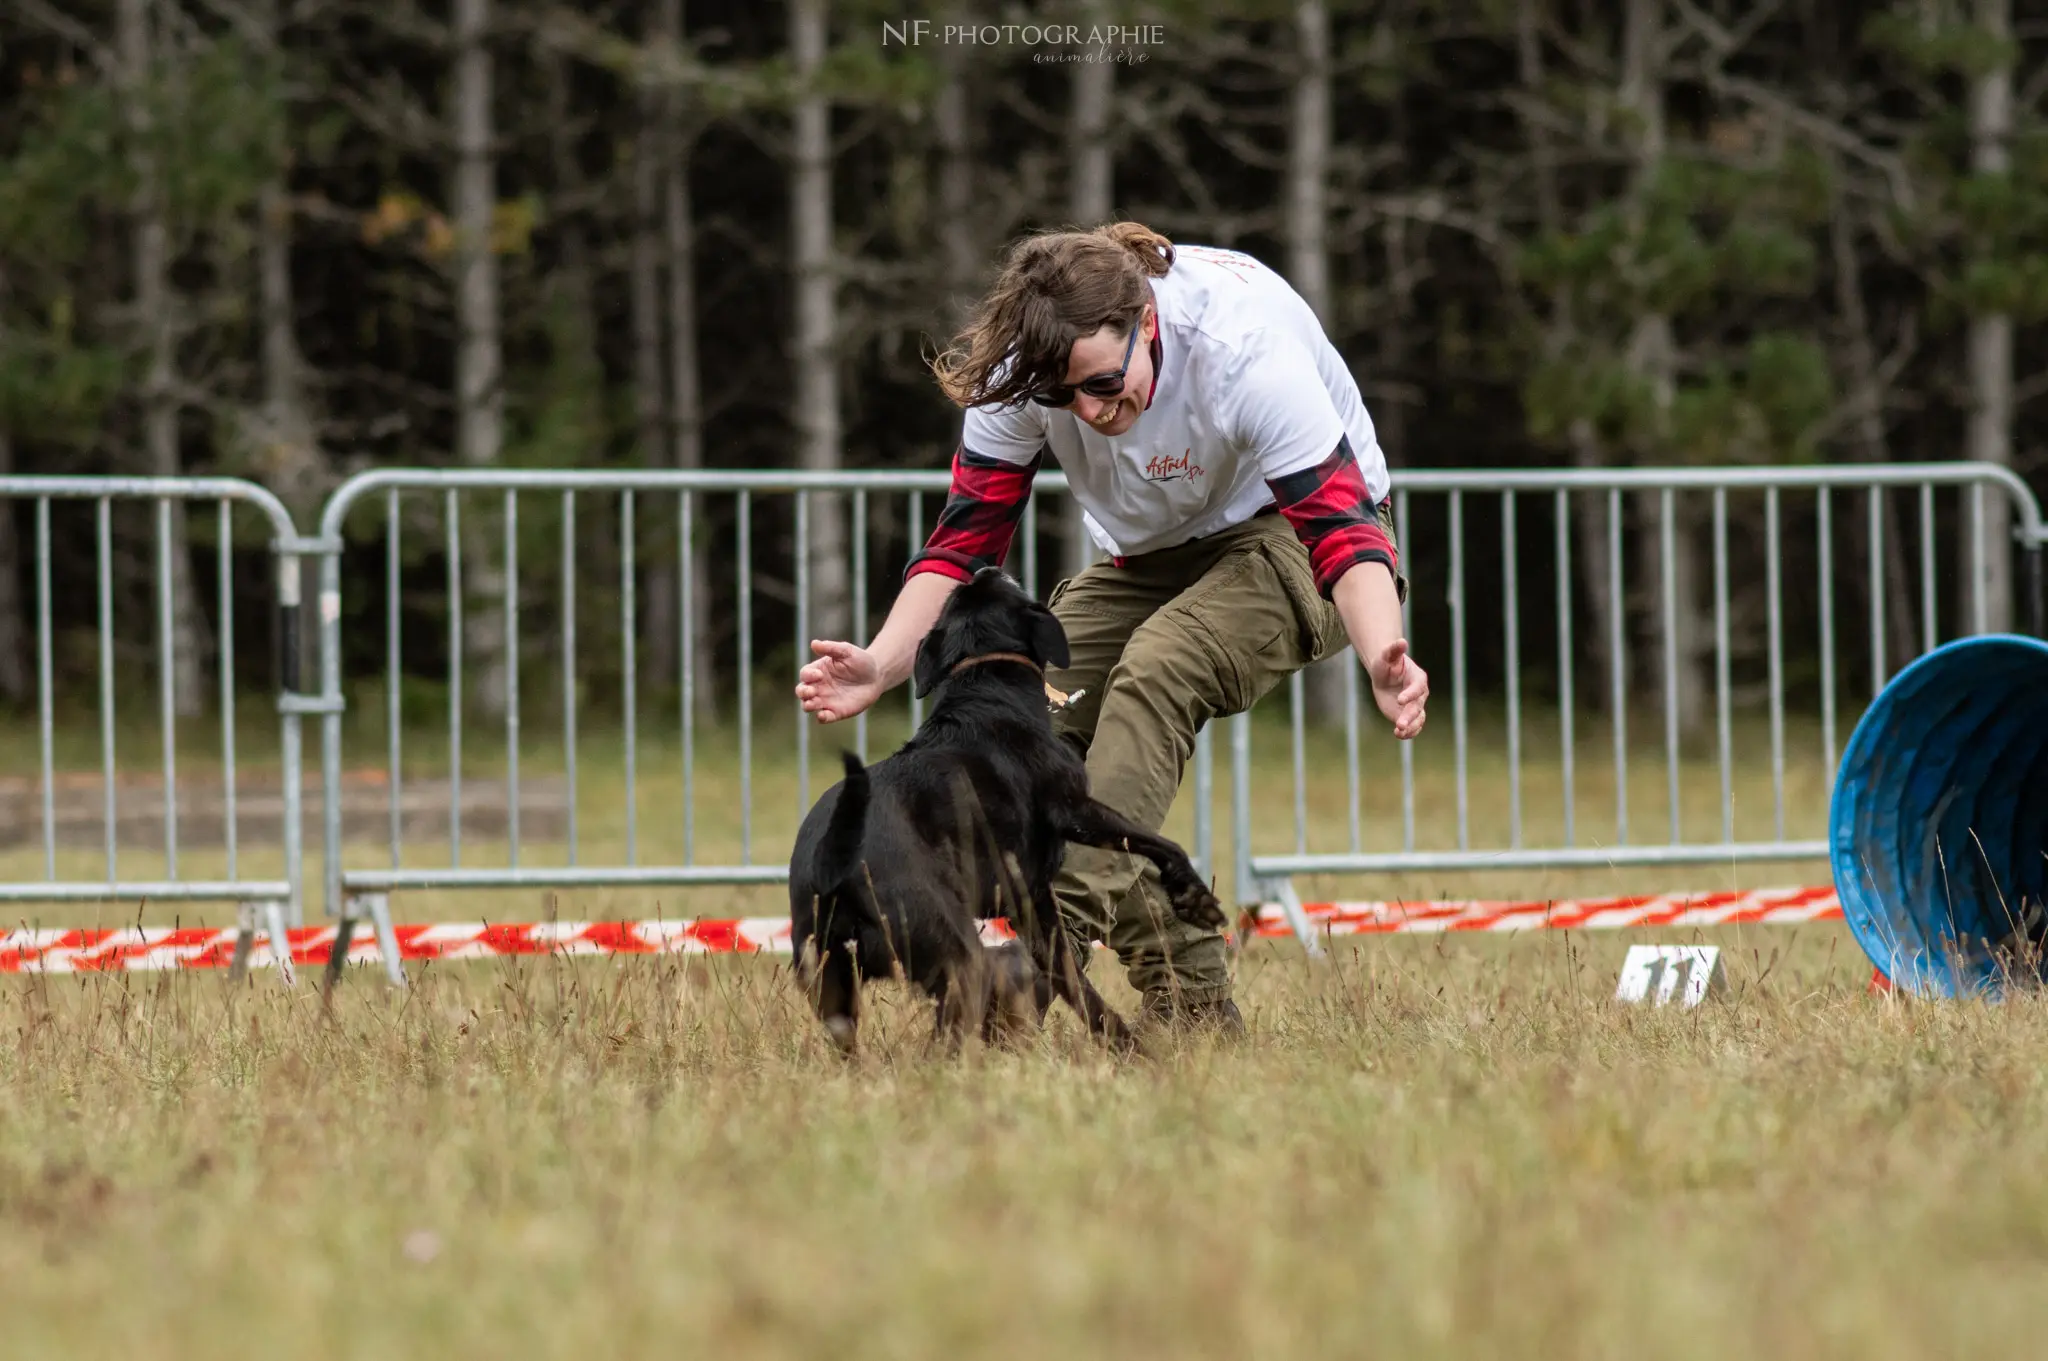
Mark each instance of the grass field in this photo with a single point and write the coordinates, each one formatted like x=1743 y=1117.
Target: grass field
x=1428 y=1147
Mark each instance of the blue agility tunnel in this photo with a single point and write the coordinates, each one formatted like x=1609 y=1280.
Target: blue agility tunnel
x=1938 y=827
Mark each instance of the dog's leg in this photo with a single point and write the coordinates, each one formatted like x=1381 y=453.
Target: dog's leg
x=1018 y=994
x=942 y=1021
x=961 y=1006
x=952 y=1020
x=1031 y=994
x=1000 y=1022
x=1060 y=974
x=837 y=996
x=1094 y=823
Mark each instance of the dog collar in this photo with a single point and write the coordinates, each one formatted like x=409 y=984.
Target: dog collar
x=1054 y=699
x=1018 y=657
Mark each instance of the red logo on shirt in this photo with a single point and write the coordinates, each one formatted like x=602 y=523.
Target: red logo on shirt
x=1231 y=261
x=1160 y=468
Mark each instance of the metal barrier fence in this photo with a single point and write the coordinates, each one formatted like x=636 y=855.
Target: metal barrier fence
x=1264 y=874
x=355 y=892
x=276 y=901
x=1585 y=510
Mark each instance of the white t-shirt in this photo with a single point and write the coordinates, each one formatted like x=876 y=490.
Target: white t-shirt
x=1249 y=388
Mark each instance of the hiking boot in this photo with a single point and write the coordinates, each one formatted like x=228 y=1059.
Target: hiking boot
x=1160 y=1011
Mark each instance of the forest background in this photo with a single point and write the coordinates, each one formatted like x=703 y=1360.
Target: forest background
x=289 y=240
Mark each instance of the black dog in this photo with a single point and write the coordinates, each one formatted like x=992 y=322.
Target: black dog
x=969 y=819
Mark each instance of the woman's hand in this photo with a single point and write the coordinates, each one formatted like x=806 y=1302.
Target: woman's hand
x=1400 y=687
x=842 y=682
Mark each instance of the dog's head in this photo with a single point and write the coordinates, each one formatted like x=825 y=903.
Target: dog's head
x=989 y=613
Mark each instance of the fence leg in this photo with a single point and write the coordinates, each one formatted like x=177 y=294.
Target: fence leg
x=379 y=906
x=277 y=941
x=1283 y=892
x=280 y=943
x=337 y=955
x=245 y=941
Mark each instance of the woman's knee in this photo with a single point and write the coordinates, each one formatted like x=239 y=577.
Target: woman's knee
x=1175 y=669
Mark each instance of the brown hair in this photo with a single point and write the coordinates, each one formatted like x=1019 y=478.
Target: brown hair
x=1055 y=287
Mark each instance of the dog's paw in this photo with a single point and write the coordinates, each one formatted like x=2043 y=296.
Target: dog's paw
x=1194 y=904
x=844 y=1032
x=1118 y=1036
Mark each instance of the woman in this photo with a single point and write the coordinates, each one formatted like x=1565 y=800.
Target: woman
x=1225 y=462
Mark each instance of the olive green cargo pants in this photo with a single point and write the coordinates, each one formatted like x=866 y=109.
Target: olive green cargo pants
x=1162 y=645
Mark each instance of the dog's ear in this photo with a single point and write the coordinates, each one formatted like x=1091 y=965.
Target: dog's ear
x=930 y=667
x=1048 y=638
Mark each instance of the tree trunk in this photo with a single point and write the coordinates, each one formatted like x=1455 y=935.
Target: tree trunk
x=1593 y=631
x=15 y=648
x=1090 y=202
x=190 y=640
x=1652 y=354
x=1308 y=160
x=686 y=395
x=1872 y=444
x=1693 y=690
x=479 y=395
x=293 y=464
x=1308 y=255
x=573 y=278
x=817 y=316
x=1391 y=423
x=1091 y=190
x=663 y=245
x=1991 y=394
x=1589 y=547
x=686 y=398
x=567 y=291
x=958 y=239
x=649 y=400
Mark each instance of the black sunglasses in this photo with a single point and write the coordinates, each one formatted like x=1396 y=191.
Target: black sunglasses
x=1102 y=385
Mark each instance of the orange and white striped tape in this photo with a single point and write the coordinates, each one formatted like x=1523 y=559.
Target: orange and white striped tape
x=59 y=950
x=1581 y=914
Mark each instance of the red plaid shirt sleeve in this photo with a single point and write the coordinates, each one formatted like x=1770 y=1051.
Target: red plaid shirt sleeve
x=1334 y=516
x=980 y=519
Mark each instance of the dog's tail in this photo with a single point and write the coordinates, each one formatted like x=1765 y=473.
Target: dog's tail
x=840 y=871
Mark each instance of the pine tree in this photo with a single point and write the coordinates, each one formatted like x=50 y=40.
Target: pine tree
x=1673 y=329
x=1971 y=213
